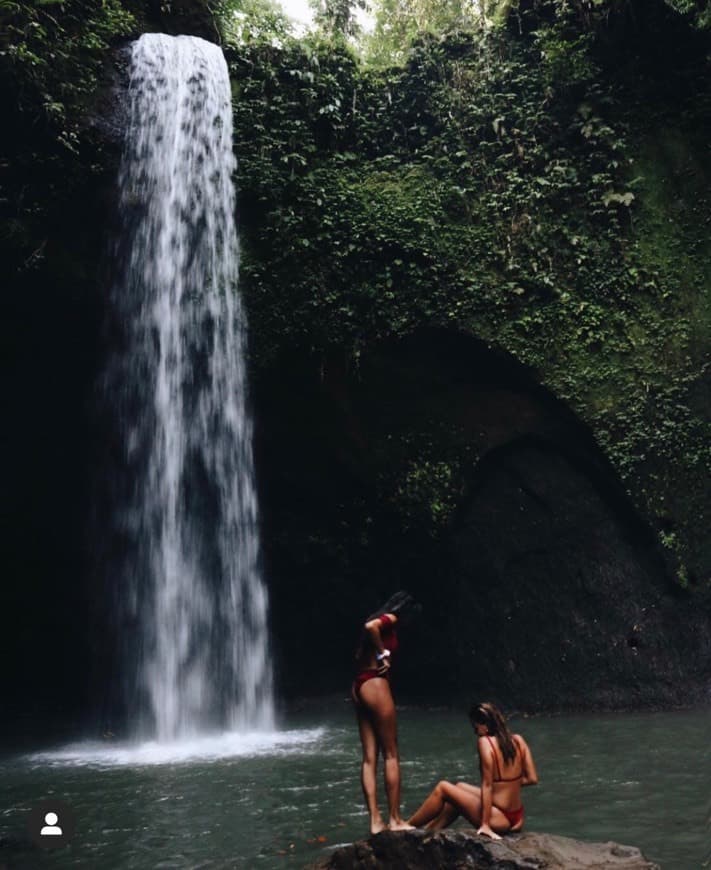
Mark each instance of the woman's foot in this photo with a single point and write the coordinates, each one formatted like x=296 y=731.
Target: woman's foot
x=486 y=831
x=377 y=825
x=400 y=825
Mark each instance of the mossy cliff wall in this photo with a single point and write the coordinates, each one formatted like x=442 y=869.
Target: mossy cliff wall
x=533 y=203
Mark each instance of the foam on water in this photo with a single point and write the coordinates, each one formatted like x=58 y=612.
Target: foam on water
x=201 y=749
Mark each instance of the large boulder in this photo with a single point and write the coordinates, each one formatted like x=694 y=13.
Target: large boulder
x=460 y=849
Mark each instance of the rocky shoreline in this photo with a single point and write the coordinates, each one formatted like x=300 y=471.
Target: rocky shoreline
x=462 y=848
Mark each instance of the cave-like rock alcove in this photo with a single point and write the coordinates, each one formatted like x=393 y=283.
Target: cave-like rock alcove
x=438 y=464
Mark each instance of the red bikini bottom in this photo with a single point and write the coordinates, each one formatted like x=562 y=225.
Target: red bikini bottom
x=514 y=816
x=363 y=677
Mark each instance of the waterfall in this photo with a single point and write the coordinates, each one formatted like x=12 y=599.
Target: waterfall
x=191 y=599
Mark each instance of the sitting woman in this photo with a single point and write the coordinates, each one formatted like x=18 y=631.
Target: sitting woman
x=506 y=764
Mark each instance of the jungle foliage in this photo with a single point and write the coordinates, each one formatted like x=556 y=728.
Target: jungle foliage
x=399 y=22
x=516 y=184
x=52 y=59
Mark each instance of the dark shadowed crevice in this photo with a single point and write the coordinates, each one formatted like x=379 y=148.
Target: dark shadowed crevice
x=440 y=464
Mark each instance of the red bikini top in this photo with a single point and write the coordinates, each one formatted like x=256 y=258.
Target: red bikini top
x=388 y=634
x=500 y=778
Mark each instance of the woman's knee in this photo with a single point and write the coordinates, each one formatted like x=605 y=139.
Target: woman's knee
x=370 y=759
x=388 y=743
x=450 y=793
x=441 y=789
x=390 y=753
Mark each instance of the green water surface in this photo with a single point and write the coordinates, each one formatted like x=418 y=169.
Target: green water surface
x=639 y=779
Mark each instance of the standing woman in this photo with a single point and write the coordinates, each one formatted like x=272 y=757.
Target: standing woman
x=506 y=765
x=375 y=707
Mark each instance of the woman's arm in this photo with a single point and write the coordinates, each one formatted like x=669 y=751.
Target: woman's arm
x=486 y=766
x=373 y=629
x=529 y=774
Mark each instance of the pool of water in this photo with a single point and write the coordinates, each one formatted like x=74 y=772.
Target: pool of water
x=277 y=800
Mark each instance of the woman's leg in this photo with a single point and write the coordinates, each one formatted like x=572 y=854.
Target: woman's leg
x=448 y=815
x=369 y=766
x=437 y=807
x=376 y=696
x=468 y=799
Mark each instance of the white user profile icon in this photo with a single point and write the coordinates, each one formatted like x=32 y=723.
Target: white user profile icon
x=51 y=829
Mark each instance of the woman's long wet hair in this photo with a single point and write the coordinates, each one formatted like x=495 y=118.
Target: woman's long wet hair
x=489 y=714
x=401 y=604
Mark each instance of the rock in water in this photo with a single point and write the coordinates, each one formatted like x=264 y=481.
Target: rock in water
x=462 y=849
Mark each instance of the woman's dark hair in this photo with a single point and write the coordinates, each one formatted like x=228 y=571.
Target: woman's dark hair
x=401 y=604
x=489 y=714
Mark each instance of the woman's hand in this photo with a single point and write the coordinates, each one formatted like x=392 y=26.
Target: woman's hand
x=383 y=666
x=485 y=831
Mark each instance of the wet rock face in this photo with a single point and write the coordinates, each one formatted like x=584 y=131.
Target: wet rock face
x=457 y=850
x=558 y=578
x=443 y=468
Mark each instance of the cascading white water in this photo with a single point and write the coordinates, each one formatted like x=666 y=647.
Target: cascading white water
x=191 y=583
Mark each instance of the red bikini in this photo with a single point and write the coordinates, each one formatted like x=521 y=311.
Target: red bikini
x=514 y=816
x=390 y=642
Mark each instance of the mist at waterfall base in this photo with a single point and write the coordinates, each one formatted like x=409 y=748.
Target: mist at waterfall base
x=189 y=604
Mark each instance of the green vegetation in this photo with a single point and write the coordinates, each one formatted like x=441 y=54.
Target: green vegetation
x=503 y=185
x=400 y=22
x=698 y=11
x=336 y=18
x=245 y=21
x=52 y=57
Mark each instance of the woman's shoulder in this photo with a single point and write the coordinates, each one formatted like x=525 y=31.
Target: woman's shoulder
x=383 y=620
